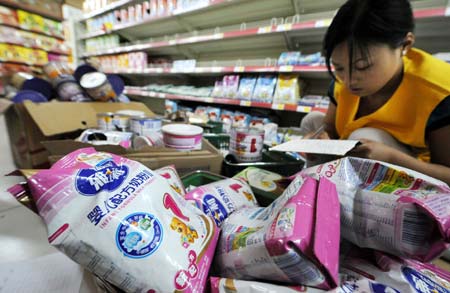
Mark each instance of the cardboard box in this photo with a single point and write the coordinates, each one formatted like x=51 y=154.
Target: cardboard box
x=208 y=159
x=30 y=123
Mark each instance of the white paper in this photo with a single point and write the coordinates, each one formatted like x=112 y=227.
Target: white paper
x=317 y=146
x=50 y=273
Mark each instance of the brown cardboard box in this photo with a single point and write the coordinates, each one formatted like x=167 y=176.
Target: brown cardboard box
x=30 y=123
x=209 y=158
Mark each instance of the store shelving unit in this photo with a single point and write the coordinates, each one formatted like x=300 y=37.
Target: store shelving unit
x=136 y=91
x=21 y=43
x=226 y=36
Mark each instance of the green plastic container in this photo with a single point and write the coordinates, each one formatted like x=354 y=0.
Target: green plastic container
x=200 y=177
x=220 y=141
x=277 y=162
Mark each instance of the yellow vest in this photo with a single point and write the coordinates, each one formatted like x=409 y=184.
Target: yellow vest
x=426 y=82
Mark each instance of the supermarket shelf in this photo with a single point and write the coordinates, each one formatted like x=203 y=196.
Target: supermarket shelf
x=302 y=27
x=107 y=8
x=135 y=91
x=36 y=47
x=214 y=4
x=32 y=31
x=32 y=8
x=6 y=62
x=319 y=70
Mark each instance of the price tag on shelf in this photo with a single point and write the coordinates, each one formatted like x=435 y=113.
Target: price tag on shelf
x=216 y=69
x=284 y=27
x=172 y=42
x=218 y=36
x=239 y=69
x=265 y=30
x=209 y=100
x=447 y=11
x=323 y=23
x=278 y=106
x=162 y=96
x=287 y=68
x=245 y=103
x=303 y=109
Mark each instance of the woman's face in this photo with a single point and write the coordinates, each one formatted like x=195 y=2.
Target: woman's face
x=369 y=73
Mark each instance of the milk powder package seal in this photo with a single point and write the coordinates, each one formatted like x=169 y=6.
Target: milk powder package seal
x=400 y=210
x=219 y=199
x=124 y=223
x=294 y=241
x=224 y=285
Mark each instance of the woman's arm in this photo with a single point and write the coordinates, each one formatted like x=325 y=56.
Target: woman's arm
x=439 y=144
x=329 y=122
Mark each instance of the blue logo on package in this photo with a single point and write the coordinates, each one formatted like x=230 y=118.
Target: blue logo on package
x=214 y=208
x=139 y=235
x=380 y=288
x=422 y=283
x=105 y=176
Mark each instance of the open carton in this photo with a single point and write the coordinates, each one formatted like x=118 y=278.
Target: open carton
x=29 y=124
x=208 y=158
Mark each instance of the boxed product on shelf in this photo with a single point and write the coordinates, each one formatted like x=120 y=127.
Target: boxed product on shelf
x=264 y=88
x=230 y=86
x=288 y=89
x=246 y=87
x=289 y=58
x=8 y=16
x=29 y=124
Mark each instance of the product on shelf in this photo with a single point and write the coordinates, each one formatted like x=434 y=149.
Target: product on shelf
x=246 y=87
x=264 y=88
x=289 y=58
x=218 y=89
x=230 y=85
x=8 y=16
x=288 y=89
x=213 y=113
x=170 y=106
x=182 y=136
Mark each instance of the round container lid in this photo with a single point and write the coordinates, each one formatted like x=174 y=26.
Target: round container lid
x=30 y=95
x=131 y=113
x=92 y=80
x=182 y=129
x=38 y=85
x=82 y=70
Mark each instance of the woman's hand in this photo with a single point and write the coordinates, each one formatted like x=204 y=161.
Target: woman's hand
x=374 y=150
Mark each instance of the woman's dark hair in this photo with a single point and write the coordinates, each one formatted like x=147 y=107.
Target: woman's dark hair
x=364 y=22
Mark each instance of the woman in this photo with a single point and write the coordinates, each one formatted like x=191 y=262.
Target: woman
x=395 y=99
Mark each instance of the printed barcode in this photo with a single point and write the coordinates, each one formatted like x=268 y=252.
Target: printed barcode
x=416 y=228
x=298 y=269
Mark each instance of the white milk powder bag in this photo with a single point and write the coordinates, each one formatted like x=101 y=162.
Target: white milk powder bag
x=124 y=223
x=219 y=199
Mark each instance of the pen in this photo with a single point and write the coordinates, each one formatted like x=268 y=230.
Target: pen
x=317 y=132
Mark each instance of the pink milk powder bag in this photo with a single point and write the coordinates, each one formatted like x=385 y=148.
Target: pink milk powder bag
x=221 y=198
x=124 y=223
x=389 y=208
x=294 y=241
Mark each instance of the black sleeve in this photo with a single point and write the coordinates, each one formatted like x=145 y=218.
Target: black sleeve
x=331 y=93
x=440 y=116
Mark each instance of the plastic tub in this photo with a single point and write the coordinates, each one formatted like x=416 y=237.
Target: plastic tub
x=182 y=136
